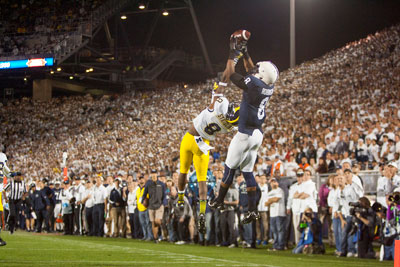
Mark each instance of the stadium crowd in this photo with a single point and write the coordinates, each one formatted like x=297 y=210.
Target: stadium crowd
x=40 y=26
x=337 y=114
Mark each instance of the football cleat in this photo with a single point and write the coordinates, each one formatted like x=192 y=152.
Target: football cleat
x=251 y=216
x=2 y=242
x=201 y=224
x=215 y=204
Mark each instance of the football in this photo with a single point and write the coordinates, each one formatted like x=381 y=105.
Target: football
x=241 y=35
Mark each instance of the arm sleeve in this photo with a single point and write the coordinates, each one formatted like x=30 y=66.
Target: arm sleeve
x=144 y=193
x=238 y=80
x=6 y=171
x=46 y=199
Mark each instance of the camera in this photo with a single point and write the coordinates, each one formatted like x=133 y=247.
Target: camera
x=308 y=214
x=356 y=207
x=394 y=198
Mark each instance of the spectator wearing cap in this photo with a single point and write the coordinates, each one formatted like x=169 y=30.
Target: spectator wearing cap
x=353 y=179
x=156 y=190
x=77 y=191
x=100 y=198
x=293 y=205
x=142 y=204
x=67 y=202
x=276 y=204
x=117 y=200
x=88 y=202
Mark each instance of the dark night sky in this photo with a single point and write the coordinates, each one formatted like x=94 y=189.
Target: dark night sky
x=321 y=25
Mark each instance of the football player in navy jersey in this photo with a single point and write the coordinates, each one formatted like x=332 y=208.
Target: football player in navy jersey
x=258 y=87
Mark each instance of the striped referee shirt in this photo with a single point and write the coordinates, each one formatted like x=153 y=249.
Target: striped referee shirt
x=17 y=189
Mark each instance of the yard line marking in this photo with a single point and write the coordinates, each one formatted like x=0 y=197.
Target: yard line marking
x=190 y=257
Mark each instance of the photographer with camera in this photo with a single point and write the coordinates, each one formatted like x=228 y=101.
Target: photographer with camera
x=350 y=191
x=365 y=225
x=311 y=234
x=392 y=227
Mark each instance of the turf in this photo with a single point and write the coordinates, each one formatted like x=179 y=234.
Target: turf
x=27 y=249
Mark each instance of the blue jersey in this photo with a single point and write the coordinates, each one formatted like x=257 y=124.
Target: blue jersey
x=252 y=108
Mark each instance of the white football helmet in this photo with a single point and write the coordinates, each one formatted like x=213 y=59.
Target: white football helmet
x=267 y=72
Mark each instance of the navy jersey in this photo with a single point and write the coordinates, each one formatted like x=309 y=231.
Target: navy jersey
x=256 y=95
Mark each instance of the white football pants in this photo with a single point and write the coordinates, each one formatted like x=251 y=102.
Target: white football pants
x=242 y=152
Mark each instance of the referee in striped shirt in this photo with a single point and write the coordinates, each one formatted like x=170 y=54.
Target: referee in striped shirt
x=15 y=190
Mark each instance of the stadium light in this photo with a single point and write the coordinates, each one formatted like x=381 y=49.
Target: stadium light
x=123 y=17
x=58 y=69
x=71 y=77
x=165 y=12
x=142 y=6
x=25 y=79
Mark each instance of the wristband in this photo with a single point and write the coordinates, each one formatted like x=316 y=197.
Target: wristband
x=222 y=84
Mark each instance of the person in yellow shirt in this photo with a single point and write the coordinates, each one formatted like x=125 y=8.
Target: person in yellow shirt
x=143 y=212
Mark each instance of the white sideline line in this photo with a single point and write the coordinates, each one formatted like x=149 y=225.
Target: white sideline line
x=188 y=257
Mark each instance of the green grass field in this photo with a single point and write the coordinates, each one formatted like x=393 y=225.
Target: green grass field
x=27 y=249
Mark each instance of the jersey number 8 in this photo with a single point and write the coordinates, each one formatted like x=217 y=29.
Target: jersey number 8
x=261 y=108
x=212 y=128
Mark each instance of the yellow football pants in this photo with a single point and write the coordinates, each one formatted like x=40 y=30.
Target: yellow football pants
x=189 y=152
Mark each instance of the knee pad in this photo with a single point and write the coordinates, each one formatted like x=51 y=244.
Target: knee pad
x=249 y=178
x=228 y=175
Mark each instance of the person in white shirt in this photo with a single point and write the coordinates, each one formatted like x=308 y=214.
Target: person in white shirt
x=66 y=197
x=100 y=198
x=384 y=186
x=307 y=193
x=132 y=203
x=373 y=150
x=397 y=140
x=393 y=169
x=291 y=166
x=355 y=180
x=334 y=205
x=88 y=201
x=263 y=211
x=294 y=204
x=77 y=192
x=276 y=204
x=350 y=192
